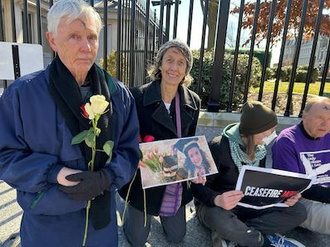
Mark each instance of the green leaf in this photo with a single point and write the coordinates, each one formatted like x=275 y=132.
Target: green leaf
x=88 y=143
x=107 y=147
x=80 y=137
x=150 y=164
x=90 y=138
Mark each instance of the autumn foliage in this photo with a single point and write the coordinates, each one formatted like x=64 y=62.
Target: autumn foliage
x=279 y=19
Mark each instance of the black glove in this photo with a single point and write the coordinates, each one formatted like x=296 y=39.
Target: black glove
x=90 y=186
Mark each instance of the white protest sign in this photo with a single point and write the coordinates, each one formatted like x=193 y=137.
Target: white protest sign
x=265 y=187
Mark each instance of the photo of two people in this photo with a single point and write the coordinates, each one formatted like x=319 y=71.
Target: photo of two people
x=175 y=160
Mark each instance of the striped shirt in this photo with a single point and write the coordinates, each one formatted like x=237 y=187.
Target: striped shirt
x=171 y=200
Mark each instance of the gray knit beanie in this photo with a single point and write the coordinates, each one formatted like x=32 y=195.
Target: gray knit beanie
x=256 y=118
x=181 y=46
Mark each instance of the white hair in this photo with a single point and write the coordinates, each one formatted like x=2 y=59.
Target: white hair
x=71 y=10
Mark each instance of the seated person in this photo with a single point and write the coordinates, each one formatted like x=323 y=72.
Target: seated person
x=305 y=148
x=216 y=203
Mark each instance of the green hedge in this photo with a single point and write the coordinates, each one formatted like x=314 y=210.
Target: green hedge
x=301 y=73
x=258 y=53
x=112 y=63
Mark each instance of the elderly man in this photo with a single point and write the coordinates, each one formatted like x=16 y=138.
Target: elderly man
x=40 y=113
x=305 y=148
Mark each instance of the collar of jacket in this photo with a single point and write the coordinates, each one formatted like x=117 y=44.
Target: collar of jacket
x=111 y=84
x=153 y=95
x=160 y=115
x=302 y=128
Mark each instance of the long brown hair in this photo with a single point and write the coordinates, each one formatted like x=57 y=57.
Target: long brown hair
x=249 y=146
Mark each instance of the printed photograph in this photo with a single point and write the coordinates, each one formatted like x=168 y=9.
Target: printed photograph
x=174 y=160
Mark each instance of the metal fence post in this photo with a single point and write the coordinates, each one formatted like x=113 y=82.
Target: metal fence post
x=214 y=98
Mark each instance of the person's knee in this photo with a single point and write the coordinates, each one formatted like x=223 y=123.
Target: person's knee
x=135 y=238
x=176 y=237
x=318 y=217
x=300 y=213
x=226 y=229
x=135 y=231
x=214 y=218
x=225 y=223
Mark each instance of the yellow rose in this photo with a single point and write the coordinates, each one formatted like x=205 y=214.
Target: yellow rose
x=98 y=104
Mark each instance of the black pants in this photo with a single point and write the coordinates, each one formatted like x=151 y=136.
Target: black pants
x=136 y=233
x=246 y=226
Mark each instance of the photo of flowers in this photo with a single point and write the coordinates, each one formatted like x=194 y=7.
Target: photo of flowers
x=175 y=160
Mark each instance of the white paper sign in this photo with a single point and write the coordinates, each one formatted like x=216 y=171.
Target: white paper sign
x=30 y=59
x=265 y=187
x=6 y=61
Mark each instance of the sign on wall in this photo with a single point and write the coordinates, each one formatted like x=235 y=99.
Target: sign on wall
x=18 y=59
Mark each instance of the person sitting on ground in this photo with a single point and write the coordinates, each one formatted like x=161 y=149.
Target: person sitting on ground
x=216 y=203
x=305 y=148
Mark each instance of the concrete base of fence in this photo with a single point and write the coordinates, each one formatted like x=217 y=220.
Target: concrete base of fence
x=213 y=123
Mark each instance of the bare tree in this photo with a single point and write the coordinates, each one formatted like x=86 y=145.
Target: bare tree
x=212 y=18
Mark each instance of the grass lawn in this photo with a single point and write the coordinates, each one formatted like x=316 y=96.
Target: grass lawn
x=299 y=87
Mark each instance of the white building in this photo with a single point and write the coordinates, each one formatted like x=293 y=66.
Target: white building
x=112 y=24
x=305 y=51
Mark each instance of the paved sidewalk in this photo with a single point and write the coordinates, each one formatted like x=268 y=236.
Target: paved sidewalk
x=197 y=236
x=10 y=215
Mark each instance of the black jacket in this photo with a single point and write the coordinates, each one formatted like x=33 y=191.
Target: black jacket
x=154 y=120
x=223 y=181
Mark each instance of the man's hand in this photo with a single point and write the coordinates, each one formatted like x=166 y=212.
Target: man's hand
x=61 y=176
x=91 y=184
x=292 y=200
x=229 y=199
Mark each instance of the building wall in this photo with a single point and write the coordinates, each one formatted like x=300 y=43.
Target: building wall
x=112 y=27
x=305 y=51
x=32 y=12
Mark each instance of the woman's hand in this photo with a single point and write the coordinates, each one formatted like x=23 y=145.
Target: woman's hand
x=141 y=164
x=228 y=200
x=292 y=200
x=201 y=179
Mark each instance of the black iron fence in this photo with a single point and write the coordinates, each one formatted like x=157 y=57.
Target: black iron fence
x=143 y=25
